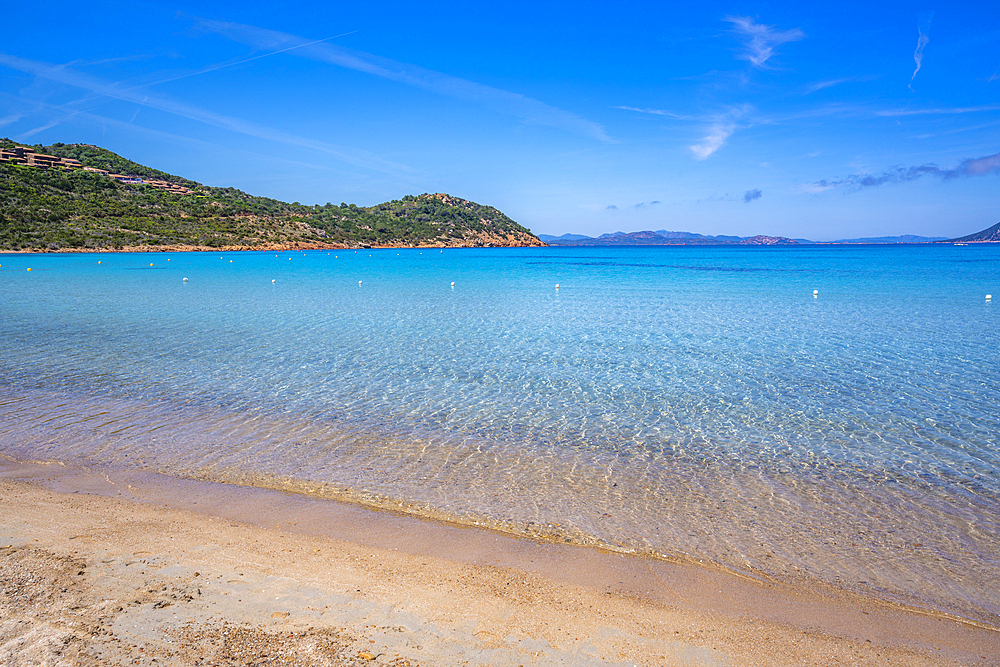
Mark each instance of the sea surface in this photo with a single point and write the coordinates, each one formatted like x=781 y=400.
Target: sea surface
x=691 y=403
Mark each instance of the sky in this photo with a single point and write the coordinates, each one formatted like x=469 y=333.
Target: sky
x=807 y=120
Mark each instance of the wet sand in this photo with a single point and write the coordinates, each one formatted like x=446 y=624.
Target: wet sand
x=115 y=568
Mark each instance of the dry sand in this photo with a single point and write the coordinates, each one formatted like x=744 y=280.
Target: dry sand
x=100 y=568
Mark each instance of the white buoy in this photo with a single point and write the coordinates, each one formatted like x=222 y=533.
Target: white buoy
x=359 y=282
x=272 y=281
x=557 y=285
x=815 y=293
x=185 y=280
x=989 y=297
x=453 y=283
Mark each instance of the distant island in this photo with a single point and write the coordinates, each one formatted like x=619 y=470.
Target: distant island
x=80 y=197
x=663 y=237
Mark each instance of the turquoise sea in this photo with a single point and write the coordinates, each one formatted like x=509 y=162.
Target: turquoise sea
x=679 y=402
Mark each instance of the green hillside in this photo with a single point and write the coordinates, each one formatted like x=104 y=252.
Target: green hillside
x=60 y=209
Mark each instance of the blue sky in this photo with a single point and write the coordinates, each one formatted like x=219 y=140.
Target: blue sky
x=814 y=120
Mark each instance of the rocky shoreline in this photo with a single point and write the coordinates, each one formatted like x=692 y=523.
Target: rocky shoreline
x=298 y=245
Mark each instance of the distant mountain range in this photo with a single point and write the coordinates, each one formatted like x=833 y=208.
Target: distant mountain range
x=664 y=237
x=905 y=238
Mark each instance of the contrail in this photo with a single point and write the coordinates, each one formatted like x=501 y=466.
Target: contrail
x=263 y=55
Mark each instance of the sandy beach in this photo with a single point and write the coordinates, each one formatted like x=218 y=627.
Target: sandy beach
x=102 y=568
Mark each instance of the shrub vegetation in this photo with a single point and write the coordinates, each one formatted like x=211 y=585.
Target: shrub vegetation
x=76 y=209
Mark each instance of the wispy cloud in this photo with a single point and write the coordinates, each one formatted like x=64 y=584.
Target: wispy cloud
x=69 y=77
x=820 y=85
x=694 y=77
x=982 y=166
x=233 y=63
x=751 y=195
x=721 y=128
x=825 y=84
x=957 y=130
x=761 y=39
x=918 y=53
x=104 y=121
x=513 y=104
x=660 y=112
x=612 y=207
x=953 y=110
x=12 y=118
x=713 y=141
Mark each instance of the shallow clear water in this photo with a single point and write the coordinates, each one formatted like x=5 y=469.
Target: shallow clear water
x=689 y=402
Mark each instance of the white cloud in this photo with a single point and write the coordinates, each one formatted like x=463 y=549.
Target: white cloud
x=918 y=54
x=716 y=137
x=722 y=127
x=761 y=39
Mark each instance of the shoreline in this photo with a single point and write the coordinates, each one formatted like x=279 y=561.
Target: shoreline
x=490 y=598
x=273 y=247
x=285 y=247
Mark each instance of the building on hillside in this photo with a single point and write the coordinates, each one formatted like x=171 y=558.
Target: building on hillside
x=41 y=160
x=130 y=180
x=168 y=186
x=29 y=157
